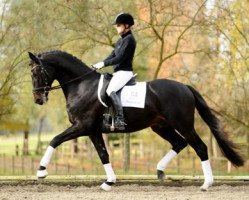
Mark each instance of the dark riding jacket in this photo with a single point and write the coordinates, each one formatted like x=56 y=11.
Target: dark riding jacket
x=123 y=53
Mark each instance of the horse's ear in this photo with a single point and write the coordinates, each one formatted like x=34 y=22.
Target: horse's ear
x=34 y=58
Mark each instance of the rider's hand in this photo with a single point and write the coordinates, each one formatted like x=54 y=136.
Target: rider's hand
x=98 y=65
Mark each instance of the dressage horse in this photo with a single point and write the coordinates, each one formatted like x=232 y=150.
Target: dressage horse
x=169 y=111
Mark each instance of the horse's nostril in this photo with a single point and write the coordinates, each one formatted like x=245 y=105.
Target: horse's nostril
x=39 y=101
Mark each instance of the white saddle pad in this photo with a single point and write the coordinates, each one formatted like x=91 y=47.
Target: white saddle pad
x=134 y=96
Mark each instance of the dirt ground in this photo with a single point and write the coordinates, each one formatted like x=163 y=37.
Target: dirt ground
x=131 y=192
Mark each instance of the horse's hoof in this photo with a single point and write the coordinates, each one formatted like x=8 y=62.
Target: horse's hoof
x=205 y=186
x=107 y=186
x=160 y=175
x=41 y=174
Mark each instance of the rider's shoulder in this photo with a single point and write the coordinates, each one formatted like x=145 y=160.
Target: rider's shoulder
x=129 y=39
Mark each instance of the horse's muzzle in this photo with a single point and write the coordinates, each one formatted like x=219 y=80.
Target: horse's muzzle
x=40 y=99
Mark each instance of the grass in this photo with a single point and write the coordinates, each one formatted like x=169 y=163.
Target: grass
x=87 y=161
x=8 y=143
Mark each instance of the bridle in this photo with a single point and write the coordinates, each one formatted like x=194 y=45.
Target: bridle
x=48 y=88
x=44 y=75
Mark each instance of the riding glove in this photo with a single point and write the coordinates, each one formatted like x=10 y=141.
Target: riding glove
x=98 y=65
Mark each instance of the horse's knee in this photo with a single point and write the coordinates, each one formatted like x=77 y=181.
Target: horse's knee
x=59 y=139
x=56 y=141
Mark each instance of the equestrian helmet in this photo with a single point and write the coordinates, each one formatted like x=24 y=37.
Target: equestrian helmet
x=124 y=18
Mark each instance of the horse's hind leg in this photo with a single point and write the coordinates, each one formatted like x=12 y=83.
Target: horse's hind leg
x=178 y=143
x=201 y=150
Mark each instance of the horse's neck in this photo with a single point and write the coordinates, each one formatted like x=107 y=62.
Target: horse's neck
x=72 y=88
x=72 y=75
x=68 y=73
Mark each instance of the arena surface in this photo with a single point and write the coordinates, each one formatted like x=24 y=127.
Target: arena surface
x=129 y=188
x=131 y=192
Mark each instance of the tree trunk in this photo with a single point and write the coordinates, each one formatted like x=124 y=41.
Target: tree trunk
x=210 y=146
x=126 y=152
x=75 y=146
x=247 y=145
x=26 y=141
x=215 y=149
x=39 y=145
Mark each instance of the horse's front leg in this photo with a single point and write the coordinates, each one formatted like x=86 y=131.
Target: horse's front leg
x=99 y=144
x=69 y=134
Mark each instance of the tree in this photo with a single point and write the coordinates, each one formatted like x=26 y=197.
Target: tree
x=234 y=64
x=176 y=39
x=169 y=27
x=8 y=79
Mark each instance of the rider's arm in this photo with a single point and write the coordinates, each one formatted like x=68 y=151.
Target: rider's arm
x=111 y=55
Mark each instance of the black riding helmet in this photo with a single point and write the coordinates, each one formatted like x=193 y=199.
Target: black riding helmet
x=124 y=18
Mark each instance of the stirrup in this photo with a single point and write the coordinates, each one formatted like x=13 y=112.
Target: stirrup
x=119 y=123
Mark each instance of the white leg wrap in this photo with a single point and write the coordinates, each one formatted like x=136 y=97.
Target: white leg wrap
x=208 y=175
x=44 y=162
x=111 y=177
x=165 y=160
x=47 y=156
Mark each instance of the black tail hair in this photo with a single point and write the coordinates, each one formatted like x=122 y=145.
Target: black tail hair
x=228 y=148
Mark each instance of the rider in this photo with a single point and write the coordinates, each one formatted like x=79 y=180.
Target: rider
x=121 y=57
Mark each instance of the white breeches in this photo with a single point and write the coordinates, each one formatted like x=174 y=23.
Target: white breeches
x=119 y=79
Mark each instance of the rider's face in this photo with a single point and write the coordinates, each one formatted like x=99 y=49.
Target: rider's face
x=121 y=28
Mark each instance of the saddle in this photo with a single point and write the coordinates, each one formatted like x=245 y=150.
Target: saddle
x=106 y=80
x=108 y=116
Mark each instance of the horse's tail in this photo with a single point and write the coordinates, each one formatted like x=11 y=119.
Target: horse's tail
x=228 y=148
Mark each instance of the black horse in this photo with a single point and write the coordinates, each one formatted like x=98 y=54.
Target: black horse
x=169 y=111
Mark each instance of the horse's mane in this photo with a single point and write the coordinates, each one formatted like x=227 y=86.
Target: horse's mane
x=62 y=54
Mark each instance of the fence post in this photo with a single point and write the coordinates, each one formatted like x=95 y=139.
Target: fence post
x=68 y=168
x=22 y=164
x=126 y=152
x=56 y=167
x=4 y=163
x=17 y=150
x=193 y=166
x=229 y=167
x=178 y=164
x=1 y=158
x=13 y=165
x=32 y=165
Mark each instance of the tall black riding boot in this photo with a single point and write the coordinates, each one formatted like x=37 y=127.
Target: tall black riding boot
x=119 y=116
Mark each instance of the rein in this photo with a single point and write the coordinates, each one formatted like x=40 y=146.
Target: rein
x=75 y=79
x=47 y=88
